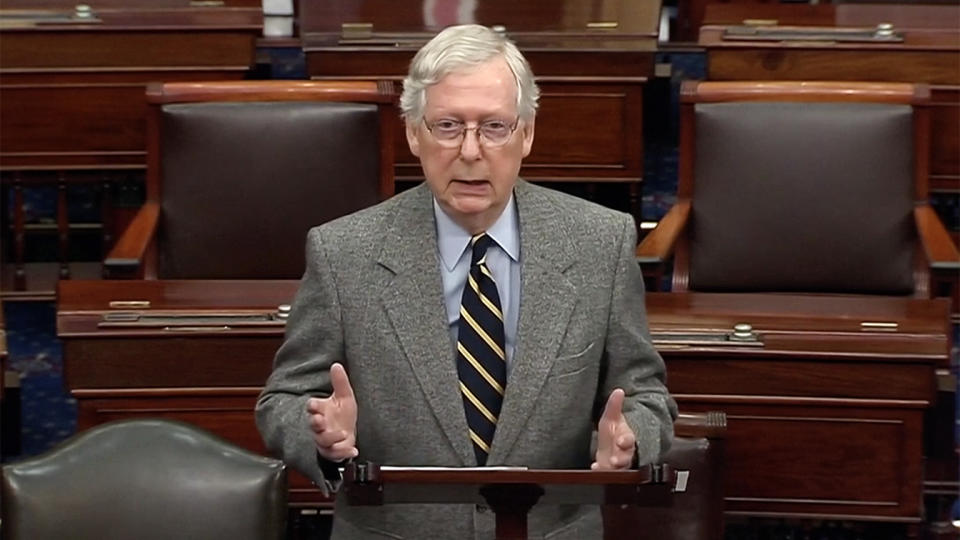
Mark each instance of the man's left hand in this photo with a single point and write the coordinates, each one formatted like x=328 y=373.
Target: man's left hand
x=616 y=442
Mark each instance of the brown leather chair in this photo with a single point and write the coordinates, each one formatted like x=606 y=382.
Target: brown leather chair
x=697 y=510
x=238 y=171
x=144 y=479
x=810 y=187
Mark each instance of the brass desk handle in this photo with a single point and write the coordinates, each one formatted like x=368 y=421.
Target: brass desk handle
x=196 y=328
x=603 y=25
x=878 y=326
x=129 y=304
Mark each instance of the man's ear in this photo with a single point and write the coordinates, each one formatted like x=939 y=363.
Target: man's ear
x=413 y=141
x=527 y=130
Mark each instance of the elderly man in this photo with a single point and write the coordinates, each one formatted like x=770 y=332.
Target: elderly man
x=483 y=321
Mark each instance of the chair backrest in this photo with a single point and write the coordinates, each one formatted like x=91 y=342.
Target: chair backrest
x=802 y=187
x=697 y=456
x=243 y=169
x=144 y=479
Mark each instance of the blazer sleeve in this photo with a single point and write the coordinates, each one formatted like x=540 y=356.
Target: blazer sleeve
x=301 y=369
x=632 y=363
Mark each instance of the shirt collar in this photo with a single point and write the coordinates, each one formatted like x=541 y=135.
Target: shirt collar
x=453 y=240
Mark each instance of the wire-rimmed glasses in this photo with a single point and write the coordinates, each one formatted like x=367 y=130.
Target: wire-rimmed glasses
x=491 y=133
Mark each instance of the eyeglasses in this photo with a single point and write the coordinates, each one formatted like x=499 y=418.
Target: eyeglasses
x=492 y=133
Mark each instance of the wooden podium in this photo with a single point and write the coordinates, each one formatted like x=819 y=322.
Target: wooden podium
x=509 y=492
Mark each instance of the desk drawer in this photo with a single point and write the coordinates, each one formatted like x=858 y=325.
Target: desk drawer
x=770 y=376
x=821 y=461
x=150 y=362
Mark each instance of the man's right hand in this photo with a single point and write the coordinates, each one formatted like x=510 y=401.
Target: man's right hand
x=333 y=420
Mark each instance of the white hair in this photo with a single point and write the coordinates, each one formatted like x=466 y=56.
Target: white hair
x=457 y=48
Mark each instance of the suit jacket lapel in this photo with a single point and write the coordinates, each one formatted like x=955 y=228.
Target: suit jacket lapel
x=547 y=300
x=414 y=304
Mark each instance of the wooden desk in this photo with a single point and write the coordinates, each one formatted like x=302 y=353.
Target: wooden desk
x=73 y=92
x=825 y=413
x=72 y=105
x=591 y=59
x=928 y=53
x=206 y=373
x=825 y=418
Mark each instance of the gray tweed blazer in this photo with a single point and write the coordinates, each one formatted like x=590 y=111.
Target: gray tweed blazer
x=371 y=298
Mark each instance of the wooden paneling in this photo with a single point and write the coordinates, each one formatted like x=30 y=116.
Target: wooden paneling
x=812 y=377
x=945 y=139
x=225 y=412
x=773 y=62
x=72 y=96
x=549 y=20
x=563 y=150
x=145 y=361
x=822 y=461
x=69 y=5
x=230 y=416
x=64 y=122
x=128 y=48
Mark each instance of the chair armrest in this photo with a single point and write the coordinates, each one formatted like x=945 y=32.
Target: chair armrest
x=658 y=245
x=128 y=253
x=937 y=245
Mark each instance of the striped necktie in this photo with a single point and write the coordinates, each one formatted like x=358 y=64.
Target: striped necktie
x=481 y=363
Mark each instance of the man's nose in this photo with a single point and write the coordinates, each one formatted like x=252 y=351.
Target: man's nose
x=470 y=146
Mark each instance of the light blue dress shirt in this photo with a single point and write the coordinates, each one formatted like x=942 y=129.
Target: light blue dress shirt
x=503 y=260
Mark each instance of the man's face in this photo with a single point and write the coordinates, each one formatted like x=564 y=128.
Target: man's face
x=472 y=182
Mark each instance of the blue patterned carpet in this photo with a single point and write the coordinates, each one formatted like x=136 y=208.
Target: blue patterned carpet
x=48 y=413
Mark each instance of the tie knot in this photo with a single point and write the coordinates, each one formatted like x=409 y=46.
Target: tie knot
x=480 y=244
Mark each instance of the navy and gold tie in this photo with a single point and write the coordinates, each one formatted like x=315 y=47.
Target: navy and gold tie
x=481 y=363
